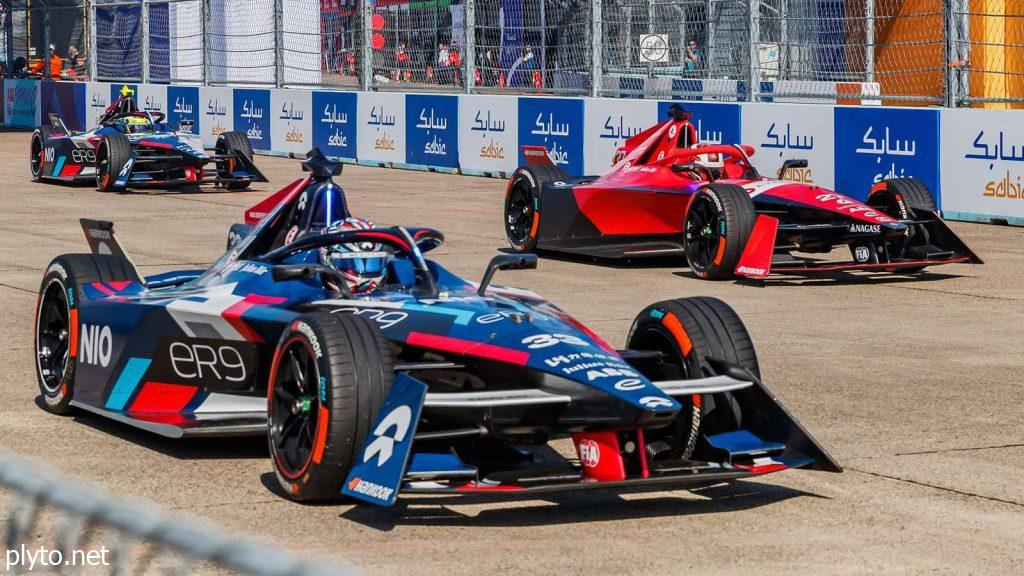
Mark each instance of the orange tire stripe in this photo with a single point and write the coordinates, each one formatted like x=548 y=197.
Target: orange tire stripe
x=676 y=328
x=721 y=250
x=321 y=434
x=536 y=223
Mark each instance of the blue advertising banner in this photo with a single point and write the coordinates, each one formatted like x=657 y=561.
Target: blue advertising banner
x=556 y=124
x=432 y=130
x=873 y=144
x=716 y=123
x=334 y=123
x=252 y=116
x=21 y=103
x=65 y=99
x=183 y=104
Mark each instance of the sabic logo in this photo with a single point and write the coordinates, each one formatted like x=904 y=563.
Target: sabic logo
x=97 y=344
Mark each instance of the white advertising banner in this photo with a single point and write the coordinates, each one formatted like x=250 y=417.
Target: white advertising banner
x=982 y=163
x=291 y=120
x=216 y=113
x=381 y=131
x=152 y=98
x=607 y=123
x=97 y=99
x=488 y=133
x=780 y=132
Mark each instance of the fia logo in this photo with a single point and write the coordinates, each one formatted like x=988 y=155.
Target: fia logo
x=383 y=445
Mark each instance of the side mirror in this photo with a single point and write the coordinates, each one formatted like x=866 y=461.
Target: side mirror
x=506 y=262
x=791 y=163
x=285 y=272
x=693 y=167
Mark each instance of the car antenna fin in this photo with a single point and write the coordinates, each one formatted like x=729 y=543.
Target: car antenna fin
x=100 y=236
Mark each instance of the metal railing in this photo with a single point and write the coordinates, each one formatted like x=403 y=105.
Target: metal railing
x=137 y=538
x=925 y=52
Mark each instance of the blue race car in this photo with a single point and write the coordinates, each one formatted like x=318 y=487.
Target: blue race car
x=136 y=148
x=374 y=371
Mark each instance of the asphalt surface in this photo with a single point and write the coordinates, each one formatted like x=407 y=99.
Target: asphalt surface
x=913 y=384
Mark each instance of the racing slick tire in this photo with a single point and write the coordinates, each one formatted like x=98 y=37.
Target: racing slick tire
x=237 y=143
x=37 y=152
x=900 y=197
x=112 y=155
x=318 y=422
x=522 y=203
x=716 y=228
x=56 y=320
x=688 y=331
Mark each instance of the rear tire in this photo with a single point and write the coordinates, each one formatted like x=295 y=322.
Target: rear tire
x=318 y=423
x=56 y=320
x=522 y=203
x=37 y=154
x=237 y=143
x=112 y=155
x=716 y=229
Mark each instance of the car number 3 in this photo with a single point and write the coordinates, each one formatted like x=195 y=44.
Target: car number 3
x=545 y=340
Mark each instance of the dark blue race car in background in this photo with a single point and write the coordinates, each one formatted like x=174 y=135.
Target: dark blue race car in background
x=130 y=147
x=428 y=384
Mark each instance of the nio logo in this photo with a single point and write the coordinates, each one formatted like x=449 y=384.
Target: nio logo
x=201 y=361
x=80 y=156
x=545 y=340
x=371 y=489
x=307 y=331
x=48 y=155
x=383 y=445
x=590 y=453
x=97 y=343
x=866 y=228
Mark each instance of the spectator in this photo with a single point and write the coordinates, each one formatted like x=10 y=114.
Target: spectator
x=402 y=60
x=443 y=58
x=56 y=64
x=73 y=62
x=692 y=59
x=455 y=64
x=490 y=69
x=529 y=66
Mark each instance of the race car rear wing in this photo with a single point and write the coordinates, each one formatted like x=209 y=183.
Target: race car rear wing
x=100 y=236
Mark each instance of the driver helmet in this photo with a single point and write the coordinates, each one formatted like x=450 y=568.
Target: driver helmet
x=364 y=264
x=135 y=124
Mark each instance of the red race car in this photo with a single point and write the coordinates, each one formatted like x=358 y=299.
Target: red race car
x=669 y=194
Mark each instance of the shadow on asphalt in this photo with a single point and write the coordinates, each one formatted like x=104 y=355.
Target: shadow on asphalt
x=242 y=447
x=568 y=508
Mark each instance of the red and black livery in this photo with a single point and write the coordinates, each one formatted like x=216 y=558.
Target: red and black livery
x=669 y=194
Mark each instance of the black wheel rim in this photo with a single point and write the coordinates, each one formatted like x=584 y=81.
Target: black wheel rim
x=703 y=232
x=294 y=408
x=680 y=439
x=519 y=212
x=53 y=336
x=37 y=156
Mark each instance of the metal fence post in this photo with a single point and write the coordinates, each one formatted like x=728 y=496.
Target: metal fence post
x=754 y=77
x=869 y=40
x=93 y=52
x=145 y=40
x=207 y=80
x=470 y=27
x=9 y=33
x=365 y=47
x=596 y=48
x=279 y=43
x=951 y=37
x=47 y=53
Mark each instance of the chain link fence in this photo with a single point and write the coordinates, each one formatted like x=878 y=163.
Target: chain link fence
x=920 y=52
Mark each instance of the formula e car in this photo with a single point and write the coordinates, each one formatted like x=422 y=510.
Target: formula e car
x=668 y=194
x=428 y=384
x=136 y=148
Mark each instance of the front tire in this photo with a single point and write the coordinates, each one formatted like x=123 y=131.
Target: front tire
x=688 y=331
x=56 y=320
x=329 y=377
x=233 y=142
x=112 y=155
x=716 y=228
x=901 y=197
x=522 y=203
x=37 y=154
